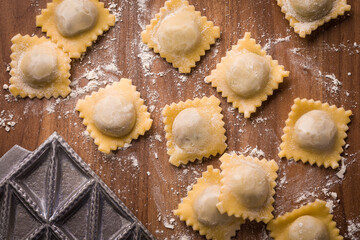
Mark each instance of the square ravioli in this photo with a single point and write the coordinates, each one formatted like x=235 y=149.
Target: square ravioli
x=38 y=68
x=246 y=76
x=248 y=187
x=180 y=34
x=199 y=210
x=315 y=132
x=312 y=221
x=194 y=130
x=114 y=115
x=74 y=24
x=307 y=16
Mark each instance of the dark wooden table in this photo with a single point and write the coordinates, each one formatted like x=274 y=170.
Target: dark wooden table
x=141 y=175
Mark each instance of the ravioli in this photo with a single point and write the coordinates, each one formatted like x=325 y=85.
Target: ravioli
x=38 y=68
x=312 y=221
x=194 y=130
x=114 y=115
x=246 y=76
x=180 y=34
x=247 y=187
x=199 y=210
x=74 y=24
x=315 y=132
x=306 y=16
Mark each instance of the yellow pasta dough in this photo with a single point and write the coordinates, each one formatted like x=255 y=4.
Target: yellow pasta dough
x=199 y=210
x=74 y=24
x=246 y=76
x=180 y=34
x=307 y=16
x=194 y=130
x=114 y=115
x=312 y=221
x=247 y=187
x=38 y=68
x=315 y=133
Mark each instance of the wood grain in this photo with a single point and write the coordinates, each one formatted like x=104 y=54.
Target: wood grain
x=154 y=187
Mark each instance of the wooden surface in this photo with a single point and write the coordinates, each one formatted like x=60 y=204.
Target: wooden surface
x=153 y=188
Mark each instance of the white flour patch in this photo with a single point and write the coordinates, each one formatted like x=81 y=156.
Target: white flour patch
x=251 y=151
x=111 y=67
x=341 y=173
x=329 y=81
x=158 y=138
x=272 y=42
x=330 y=204
x=352 y=229
x=134 y=160
x=50 y=108
x=126 y=146
x=146 y=57
x=258 y=120
x=305 y=196
x=8 y=68
x=183 y=78
x=283 y=181
x=116 y=10
x=7 y=120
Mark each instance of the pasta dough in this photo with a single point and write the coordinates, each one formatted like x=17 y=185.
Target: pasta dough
x=311 y=10
x=74 y=24
x=75 y=16
x=310 y=222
